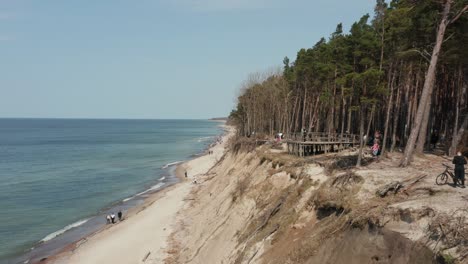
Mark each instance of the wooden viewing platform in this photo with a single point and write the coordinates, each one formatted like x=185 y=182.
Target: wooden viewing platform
x=319 y=143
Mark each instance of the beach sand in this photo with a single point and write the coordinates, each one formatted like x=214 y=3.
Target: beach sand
x=143 y=235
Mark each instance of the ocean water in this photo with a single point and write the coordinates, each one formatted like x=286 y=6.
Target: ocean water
x=59 y=174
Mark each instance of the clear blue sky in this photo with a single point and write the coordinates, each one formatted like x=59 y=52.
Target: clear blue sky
x=150 y=58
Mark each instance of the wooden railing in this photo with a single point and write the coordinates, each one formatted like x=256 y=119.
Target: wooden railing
x=323 y=137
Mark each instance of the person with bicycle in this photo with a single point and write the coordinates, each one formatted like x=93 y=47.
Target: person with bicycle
x=459 y=162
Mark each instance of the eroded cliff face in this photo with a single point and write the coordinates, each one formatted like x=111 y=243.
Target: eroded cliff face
x=260 y=205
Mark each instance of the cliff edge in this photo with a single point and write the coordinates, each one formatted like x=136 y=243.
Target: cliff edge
x=261 y=205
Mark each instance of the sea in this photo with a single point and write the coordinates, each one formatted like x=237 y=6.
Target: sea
x=59 y=178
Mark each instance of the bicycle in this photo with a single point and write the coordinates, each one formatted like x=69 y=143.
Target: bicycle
x=443 y=177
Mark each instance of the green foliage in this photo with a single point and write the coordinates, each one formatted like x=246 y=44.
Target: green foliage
x=347 y=72
x=449 y=259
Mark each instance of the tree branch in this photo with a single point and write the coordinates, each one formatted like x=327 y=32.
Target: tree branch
x=423 y=54
x=428 y=55
x=459 y=14
x=449 y=37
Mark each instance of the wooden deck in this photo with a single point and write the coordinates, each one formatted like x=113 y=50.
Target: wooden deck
x=320 y=143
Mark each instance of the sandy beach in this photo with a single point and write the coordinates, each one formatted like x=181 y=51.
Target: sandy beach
x=143 y=235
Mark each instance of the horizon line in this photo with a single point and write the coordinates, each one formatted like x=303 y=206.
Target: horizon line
x=110 y=118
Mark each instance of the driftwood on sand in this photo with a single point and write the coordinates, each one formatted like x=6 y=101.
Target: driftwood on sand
x=146 y=256
x=396 y=186
x=390 y=187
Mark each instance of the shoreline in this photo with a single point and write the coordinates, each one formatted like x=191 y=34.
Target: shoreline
x=169 y=198
x=73 y=234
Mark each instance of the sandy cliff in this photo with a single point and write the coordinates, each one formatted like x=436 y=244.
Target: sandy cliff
x=259 y=205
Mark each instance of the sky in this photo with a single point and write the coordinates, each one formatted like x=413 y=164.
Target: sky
x=174 y=59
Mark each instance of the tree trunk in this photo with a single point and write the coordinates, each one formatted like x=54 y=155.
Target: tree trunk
x=424 y=126
x=343 y=112
x=409 y=102
x=293 y=117
x=350 y=115
x=371 y=117
x=382 y=42
x=428 y=86
x=396 y=114
x=315 y=114
x=332 y=119
x=361 y=137
x=304 y=104
x=458 y=136
x=389 y=109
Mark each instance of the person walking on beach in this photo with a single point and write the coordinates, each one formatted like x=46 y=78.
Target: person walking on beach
x=185 y=174
x=108 y=218
x=113 y=218
x=459 y=162
x=119 y=214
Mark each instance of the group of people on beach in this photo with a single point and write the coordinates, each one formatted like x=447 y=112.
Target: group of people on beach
x=210 y=152
x=110 y=218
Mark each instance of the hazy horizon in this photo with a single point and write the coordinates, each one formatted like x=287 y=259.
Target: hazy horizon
x=152 y=59
x=111 y=118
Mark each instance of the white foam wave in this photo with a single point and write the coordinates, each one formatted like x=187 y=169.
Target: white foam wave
x=162 y=178
x=153 y=188
x=63 y=230
x=171 y=164
x=204 y=139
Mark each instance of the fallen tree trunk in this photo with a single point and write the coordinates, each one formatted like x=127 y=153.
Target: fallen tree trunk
x=393 y=187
